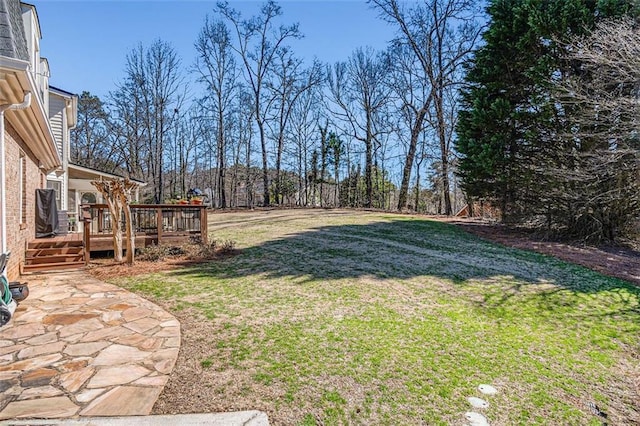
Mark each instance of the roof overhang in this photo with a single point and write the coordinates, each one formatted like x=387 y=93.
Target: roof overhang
x=71 y=105
x=32 y=123
x=85 y=173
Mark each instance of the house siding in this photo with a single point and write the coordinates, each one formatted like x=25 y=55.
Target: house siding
x=57 y=121
x=56 y=110
x=18 y=234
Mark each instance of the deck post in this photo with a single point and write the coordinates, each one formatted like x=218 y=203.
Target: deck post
x=204 y=226
x=159 y=224
x=101 y=221
x=86 y=235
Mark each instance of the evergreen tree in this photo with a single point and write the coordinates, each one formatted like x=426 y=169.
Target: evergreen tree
x=508 y=125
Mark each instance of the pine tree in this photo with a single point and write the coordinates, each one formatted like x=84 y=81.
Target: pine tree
x=508 y=126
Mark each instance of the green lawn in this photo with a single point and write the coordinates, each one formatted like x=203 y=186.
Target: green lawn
x=337 y=317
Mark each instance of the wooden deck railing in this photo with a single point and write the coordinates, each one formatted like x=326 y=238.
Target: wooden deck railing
x=152 y=223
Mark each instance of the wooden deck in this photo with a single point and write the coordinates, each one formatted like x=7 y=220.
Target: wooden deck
x=104 y=242
x=178 y=224
x=76 y=236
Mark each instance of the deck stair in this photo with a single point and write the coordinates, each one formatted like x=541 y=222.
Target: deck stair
x=51 y=255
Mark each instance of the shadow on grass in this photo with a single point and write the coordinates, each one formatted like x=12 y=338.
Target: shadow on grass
x=405 y=249
x=519 y=311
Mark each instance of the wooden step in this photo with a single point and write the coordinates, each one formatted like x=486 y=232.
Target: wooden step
x=52 y=267
x=53 y=251
x=58 y=258
x=54 y=244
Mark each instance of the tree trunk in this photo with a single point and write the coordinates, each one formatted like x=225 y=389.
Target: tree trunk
x=336 y=165
x=415 y=207
x=265 y=169
x=221 y=162
x=444 y=154
x=278 y=189
x=131 y=237
x=248 y=184
x=115 y=210
x=368 y=174
x=411 y=154
x=323 y=160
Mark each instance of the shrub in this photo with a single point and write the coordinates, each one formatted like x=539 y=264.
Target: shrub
x=153 y=253
x=193 y=250
x=227 y=246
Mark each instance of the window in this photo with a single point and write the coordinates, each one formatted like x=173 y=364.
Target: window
x=22 y=178
x=57 y=186
x=88 y=198
x=71 y=197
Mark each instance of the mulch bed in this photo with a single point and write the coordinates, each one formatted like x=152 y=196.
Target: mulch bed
x=617 y=262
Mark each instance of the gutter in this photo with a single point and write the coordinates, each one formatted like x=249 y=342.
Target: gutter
x=3 y=178
x=46 y=152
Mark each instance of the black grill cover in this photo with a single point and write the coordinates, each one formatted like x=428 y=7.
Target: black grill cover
x=46 y=213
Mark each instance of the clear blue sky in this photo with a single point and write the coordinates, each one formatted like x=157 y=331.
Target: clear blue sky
x=86 y=42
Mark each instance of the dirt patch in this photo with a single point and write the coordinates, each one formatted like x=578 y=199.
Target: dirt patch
x=196 y=386
x=616 y=262
x=107 y=268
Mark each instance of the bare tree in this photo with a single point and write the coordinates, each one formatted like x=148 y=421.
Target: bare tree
x=124 y=191
x=145 y=104
x=302 y=125
x=413 y=92
x=185 y=138
x=336 y=147
x=245 y=116
x=440 y=34
x=321 y=177
x=129 y=134
x=217 y=70
x=91 y=141
x=117 y=194
x=359 y=88
x=592 y=173
x=287 y=83
x=258 y=41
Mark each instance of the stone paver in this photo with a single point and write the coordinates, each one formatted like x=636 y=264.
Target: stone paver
x=131 y=400
x=59 y=406
x=81 y=347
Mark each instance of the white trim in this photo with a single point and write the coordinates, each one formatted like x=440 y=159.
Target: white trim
x=33 y=123
x=99 y=173
x=14 y=64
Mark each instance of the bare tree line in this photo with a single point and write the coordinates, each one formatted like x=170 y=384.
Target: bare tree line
x=593 y=179
x=259 y=126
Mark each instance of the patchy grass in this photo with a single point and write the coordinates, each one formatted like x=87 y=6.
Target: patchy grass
x=340 y=317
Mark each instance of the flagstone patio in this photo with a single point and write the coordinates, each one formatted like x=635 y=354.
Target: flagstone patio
x=81 y=347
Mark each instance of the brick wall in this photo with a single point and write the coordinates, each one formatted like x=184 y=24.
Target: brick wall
x=20 y=230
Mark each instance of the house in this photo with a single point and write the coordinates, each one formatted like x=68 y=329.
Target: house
x=27 y=143
x=63 y=112
x=71 y=182
x=35 y=124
